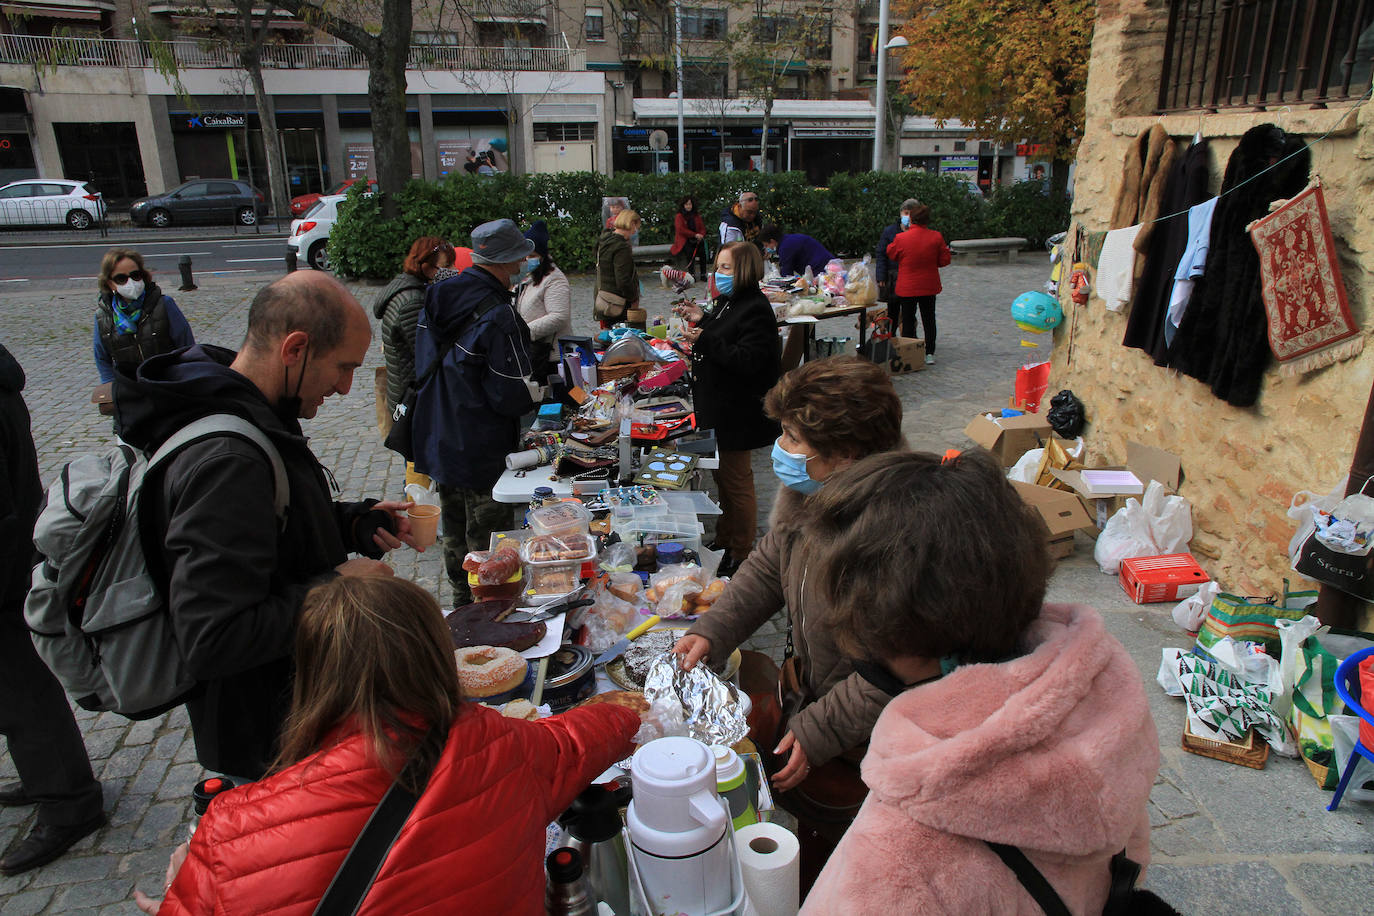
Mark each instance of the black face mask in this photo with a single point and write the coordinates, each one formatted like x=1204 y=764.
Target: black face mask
x=877 y=674
x=288 y=409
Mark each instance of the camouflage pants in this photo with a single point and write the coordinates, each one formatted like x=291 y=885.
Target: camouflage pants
x=468 y=517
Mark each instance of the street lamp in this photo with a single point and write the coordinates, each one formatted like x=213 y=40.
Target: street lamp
x=880 y=125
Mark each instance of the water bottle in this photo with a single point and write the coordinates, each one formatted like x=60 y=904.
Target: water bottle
x=566 y=893
x=205 y=792
x=733 y=786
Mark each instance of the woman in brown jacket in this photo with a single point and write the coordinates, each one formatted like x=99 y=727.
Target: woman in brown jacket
x=615 y=267
x=833 y=412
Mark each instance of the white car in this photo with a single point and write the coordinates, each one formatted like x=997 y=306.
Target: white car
x=50 y=202
x=310 y=234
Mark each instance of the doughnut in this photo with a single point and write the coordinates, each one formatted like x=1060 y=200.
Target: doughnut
x=486 y=671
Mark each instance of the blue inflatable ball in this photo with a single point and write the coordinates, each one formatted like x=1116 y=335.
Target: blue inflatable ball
x=1036 y=311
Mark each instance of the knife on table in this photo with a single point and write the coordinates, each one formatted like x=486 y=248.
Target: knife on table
x=619 y=648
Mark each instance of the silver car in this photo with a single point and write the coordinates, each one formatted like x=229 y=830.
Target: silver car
x=51 y=202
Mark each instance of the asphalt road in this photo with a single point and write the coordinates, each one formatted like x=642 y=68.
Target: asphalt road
x=26 y=262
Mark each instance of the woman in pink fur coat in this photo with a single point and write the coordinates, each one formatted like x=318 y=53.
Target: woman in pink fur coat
x=1014 y=721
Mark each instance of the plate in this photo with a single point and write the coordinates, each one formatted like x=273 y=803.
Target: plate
x=615 y=669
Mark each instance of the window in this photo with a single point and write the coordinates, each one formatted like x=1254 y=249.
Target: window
x=703 y=23
x=704 y=82
x=960 y=146
x=224 y=187
x=595 y=24
x=17 y=191
x=197 y=189
x=564 y=133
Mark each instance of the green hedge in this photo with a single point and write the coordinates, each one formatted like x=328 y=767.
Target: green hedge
x=847 y=216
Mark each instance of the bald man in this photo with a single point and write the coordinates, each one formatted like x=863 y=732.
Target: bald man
x=234 y=576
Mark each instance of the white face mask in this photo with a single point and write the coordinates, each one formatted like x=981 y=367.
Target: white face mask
x=130 y=289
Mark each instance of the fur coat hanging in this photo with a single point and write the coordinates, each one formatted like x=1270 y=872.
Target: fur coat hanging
x=1222 y=340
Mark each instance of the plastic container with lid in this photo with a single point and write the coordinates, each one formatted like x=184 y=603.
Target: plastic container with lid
x=553 y=563
x=733 y=785
x=560 y=518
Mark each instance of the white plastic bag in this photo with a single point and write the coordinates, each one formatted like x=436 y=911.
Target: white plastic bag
x=1302 y=507
x=1248 y=661
x=1168 y=672
x=1026 y=467
x=1157 y=524
x=1292 y=634
x=1191 y=611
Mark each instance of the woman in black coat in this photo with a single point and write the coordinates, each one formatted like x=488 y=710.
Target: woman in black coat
x=735 y=360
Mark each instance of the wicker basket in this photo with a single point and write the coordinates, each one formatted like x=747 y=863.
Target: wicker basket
x=606 y=374
x=1251 y=752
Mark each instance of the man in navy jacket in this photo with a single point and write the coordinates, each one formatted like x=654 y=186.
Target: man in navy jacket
x=467 y=416
x=794 y=251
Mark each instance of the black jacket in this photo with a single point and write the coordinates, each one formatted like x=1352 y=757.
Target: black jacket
x=21 y=492
x=734 y=363
x=398 y=307
x=884 y=271
x=234 y=582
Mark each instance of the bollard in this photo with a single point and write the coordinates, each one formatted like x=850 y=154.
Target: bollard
x=184 y=265
x=290 y=260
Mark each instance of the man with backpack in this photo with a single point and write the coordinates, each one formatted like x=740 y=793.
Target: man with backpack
x=44 y=741
x=234 y=572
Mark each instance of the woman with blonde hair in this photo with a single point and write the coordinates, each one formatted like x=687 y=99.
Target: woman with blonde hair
x=376 y=701
x=617 y=281
x=133 y=319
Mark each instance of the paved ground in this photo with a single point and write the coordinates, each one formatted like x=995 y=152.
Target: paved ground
x=1226 y=839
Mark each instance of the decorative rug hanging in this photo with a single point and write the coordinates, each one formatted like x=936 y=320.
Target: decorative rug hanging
x=1309 y=320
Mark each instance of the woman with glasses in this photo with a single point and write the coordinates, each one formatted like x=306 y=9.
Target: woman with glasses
x=133 y=320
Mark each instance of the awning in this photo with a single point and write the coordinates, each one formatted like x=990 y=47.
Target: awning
x=82 y=13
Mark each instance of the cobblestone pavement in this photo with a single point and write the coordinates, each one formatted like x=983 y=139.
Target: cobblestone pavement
x=1227 y=839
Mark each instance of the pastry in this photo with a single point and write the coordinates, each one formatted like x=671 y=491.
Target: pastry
x=476 y=625
x=644 y=650
x=488 y=671
x=520 y=709
x=632 y=700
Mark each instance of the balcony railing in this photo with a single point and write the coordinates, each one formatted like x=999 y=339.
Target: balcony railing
x=1260 y=53
x=191 y=55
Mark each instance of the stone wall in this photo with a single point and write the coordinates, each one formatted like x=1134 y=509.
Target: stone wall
x=1241 y=466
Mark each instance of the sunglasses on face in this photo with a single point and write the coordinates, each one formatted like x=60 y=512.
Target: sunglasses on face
x=131 y=275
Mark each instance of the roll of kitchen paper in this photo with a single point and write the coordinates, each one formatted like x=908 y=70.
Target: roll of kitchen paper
x=770 y=859
x=523 y=461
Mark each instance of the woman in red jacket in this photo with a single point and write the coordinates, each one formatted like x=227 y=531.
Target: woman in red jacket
x=689 y=237
x=919 y=252
x=376 y=686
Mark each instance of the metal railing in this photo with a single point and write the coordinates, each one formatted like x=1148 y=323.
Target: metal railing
x=1258 y=53
x=55 y=211
x=190 y=55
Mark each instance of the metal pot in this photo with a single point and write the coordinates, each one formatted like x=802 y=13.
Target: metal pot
x=571 y=678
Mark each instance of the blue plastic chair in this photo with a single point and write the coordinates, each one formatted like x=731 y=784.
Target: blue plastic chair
x=1346 y=675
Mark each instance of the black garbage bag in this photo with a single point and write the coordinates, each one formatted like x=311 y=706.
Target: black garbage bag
x=1066 y=414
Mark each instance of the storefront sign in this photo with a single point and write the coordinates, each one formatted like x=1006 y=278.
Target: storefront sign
x=1032 y=149
x=452 y=155
x=358 y=160
x=960 y=164
x=215 y=120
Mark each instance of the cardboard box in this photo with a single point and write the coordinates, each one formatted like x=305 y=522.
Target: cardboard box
x=1008 y=438
x=1170 y=577
x=908 y=355
x=1145 y=461
x=1062 y=512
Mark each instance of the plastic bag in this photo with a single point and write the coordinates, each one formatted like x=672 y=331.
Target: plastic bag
x=1032 y=381
x=859 y=288
x=1292 y=634
x=832 y=280
x=1027 y=467
x=673 y=590
x=1066 y=414
x=1302 y=508
x=1156 y=525
x=1191 y=611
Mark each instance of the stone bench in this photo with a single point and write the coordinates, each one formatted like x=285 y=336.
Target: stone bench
x=997 y=248
x=652 y=254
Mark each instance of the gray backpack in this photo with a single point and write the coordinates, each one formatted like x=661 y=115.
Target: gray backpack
x=98 y=617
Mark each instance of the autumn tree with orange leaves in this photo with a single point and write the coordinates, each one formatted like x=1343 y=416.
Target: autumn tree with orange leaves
x=1014 y=70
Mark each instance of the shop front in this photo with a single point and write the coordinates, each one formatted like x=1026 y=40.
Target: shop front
x=654 y=149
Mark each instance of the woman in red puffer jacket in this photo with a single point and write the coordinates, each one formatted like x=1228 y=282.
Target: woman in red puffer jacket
x=374 y=671
x=919 y=252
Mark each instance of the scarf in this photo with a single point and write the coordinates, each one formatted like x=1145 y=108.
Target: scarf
x=126 y=322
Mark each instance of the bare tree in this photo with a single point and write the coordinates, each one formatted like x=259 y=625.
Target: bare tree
x=386 y=50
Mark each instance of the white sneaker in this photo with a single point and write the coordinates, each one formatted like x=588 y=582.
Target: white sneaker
x=930 y=359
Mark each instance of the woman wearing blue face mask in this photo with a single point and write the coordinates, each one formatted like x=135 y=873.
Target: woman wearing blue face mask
x=133 y=320
x=545 y=300
x=735 y=360
x=833 y=412
x=885 y=271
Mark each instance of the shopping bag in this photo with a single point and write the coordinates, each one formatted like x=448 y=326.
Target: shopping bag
x=1252 y=620
x=1032 y=381
x=1315 y=698
x=1336 y=550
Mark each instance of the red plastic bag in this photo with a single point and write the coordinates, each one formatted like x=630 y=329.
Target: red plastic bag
x=1367 y=699
x=1032 y=381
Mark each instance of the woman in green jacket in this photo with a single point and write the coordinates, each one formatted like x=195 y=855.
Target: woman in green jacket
x=615 y=270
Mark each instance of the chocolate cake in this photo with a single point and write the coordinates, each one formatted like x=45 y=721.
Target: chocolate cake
x=644 y=650
x=476 y=625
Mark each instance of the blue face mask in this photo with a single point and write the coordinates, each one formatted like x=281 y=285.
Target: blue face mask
x=906 y=221
x=791 y=470
x=531 y=264
x=725 y=283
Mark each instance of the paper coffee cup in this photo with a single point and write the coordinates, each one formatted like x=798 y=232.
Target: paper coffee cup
x=424 y=524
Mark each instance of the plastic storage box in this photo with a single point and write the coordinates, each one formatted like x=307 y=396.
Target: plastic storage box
x=553 y=563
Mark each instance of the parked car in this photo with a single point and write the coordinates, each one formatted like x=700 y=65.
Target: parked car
x=301 y=204
x=310 y=235
x=217 y=200
x=51 y=202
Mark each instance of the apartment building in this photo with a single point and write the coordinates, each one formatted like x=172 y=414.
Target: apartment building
x=86 y=91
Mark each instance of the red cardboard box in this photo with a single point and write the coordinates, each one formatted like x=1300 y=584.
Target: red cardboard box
x=1171 y=577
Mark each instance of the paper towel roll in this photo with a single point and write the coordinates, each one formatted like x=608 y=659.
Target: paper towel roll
x=530 y=458
x=770 y=859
